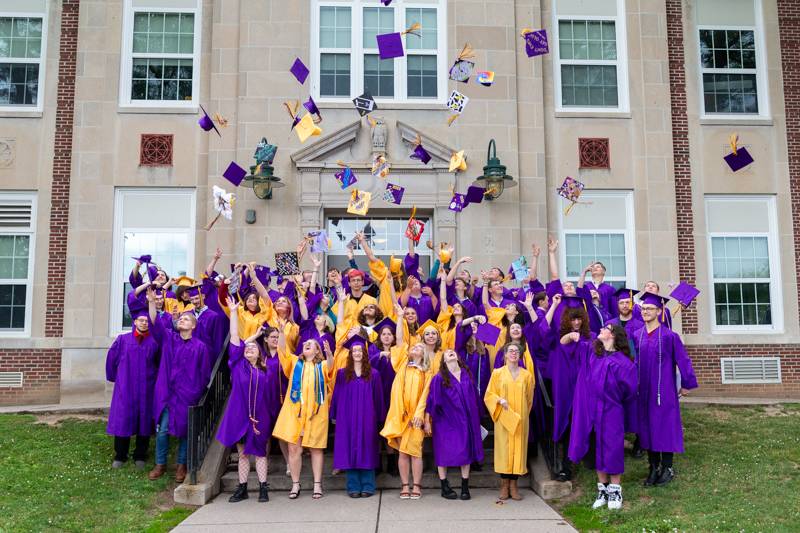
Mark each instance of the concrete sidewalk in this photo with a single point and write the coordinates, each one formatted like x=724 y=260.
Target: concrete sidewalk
x=383 y=513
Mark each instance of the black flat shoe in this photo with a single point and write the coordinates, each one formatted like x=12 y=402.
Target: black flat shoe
x=354 y=494
x=367 y=494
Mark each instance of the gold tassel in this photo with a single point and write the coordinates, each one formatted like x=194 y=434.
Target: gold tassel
x=292 y=106
x=413 y=29
x=451 y=119
x=525 y=31
x=467 y=52
x=734 y=140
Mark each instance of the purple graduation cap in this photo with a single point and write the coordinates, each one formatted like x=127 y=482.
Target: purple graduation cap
x=355 y=340
x=365 y=104
x=263 y=273
x=137 y=308
x=152 y=273
x=386 y=2
x=312 y=108
x=385 y=323
x=488 y=333
x=420 y=153
x=653 y=299
x=346 y=177
x=319 y=243
x=393 y=193
x=234 y=173
x=390 y=45
x=206 y=123
x=685 y=293
x=535 y=42
x=475 y=194
x=143 y=258
x=299 y=70
x=738 y=160
x=457 y=203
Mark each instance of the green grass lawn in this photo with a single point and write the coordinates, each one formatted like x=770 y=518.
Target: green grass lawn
x=59 y=478
x=740 y=472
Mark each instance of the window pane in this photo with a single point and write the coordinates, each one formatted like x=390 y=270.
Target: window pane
x=334 y=27
x=334 y=75
x=155 y=79
x=580 y=39
x=577 y=80
x=422 y=79
x=428 y=34
x=19 y=83
x=377 y=21
x=378 y=76
x=732 y=93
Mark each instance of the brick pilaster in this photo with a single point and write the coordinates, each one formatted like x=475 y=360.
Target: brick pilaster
x=680 y=150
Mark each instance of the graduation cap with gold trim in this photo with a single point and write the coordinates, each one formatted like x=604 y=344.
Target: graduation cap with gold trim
x=458 y=161
x=359 y=202
x=307 y=128
x=415 y=227
x=462 y=68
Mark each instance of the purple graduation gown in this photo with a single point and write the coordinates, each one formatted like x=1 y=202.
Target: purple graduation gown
x=357 y=407
x=384 y=367
x=605 y=402
x=278 y=383
x=481 y=372
x=665 y=318
x=211 y=329
x=659 y=413
x=183 y=376
x=563 y=367
x=424 y=308
x=132 y=365
x=308 y=331
x=630 y=326
x=455 y=421
x=249 y=390
x=607 y=300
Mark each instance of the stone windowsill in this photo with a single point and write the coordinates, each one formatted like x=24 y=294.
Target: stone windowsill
x=736 y=121
x=386 y=106
x=12 y=113
x=143 y=110
x=593 y=114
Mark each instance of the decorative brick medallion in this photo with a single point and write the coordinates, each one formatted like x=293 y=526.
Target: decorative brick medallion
x=156 y=150
x=594 y=153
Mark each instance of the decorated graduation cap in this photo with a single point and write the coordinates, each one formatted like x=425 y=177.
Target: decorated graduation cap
x=355 y=340
x=183 y=283
x=223 y=205
x=359 y=202
x=385 y=323
x=264 y=274
x=485 y=77
x=346 y=177
x=625 y=293
x=390 y=45
x=307 y=128
x=571 y=189
x=207 y=123
x=462 y=68
x=456 y=102
x=535 y=42
x=415 y=227
x=299 y=70
x=234 y=173
x=739 y=157
x=287 y=263
x=293 y=107
x=420 y=153
x=312 y=108
x=684 y=293
x=393 y=193
x=488 y=333
x=653 y=299
x=475 y=194
x=519 y=268
x=380 y=166
x=458 y=161
x=457 y=202
x=319 y=241
x=365 y=104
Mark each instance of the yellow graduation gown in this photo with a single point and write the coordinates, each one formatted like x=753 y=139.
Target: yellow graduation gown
x=305 y=418
x=291 y=331
x=353 y=307
x=380 y=274
x=173 y=303
x=409 y=393
x=494 y=315
x=249 y=323
x=447 y=334
x=510 y=448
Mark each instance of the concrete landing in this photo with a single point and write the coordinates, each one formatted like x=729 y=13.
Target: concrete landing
x=383 y=513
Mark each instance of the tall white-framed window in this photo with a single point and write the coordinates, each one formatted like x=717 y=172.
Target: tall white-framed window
x=160 y=60
x=385 y=234
x=602 y=230
x=17 y=251
x=732 y=58
x=156 y=221
x=344 y=51
x=744 y=265
x=23 y=45
x=591 y=59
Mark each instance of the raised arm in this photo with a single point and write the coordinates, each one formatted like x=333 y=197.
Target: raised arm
x=301 y=303
x=213 y=264
x=362 y=241
x=340 y=297
x=451 y=276
x=533 y=268
x=552 y=247
x=260 y=288
x=552 y=309
x=317 y=261
x=485 y=291
x=443 y=292
x=326 y=348
x=582 y=280
x=399 y=332
x=233 y=305
x=528 y=303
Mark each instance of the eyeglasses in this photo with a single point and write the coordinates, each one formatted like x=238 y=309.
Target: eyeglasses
x=649 y=308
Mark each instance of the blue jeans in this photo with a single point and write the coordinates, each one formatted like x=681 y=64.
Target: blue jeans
x=360 y=481
x=162 y=441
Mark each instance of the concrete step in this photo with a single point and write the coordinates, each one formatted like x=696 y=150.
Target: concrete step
x=279 y=481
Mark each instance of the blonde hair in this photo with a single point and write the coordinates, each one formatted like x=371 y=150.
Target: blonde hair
x=425 y=365
x=319 y=356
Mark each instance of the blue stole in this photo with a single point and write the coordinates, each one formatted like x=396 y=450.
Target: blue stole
x=296 y=394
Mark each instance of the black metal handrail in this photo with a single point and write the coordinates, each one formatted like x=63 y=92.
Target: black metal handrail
x=204 y=416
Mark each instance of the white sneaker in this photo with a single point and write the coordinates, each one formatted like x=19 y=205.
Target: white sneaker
x=614 y=496
x=602 y=496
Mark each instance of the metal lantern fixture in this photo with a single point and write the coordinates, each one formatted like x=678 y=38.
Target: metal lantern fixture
x=261 y=178
x=494 y=179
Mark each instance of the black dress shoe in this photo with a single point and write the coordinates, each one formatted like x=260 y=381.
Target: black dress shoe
x=263 y=492
x=239 y=494
x=354 y=494
x=652 y=476
x=637 y=453
x=666 y=475
x=565 y=474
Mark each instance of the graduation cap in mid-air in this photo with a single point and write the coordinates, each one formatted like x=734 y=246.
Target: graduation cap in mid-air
x=393 y=193
x=475 y=194
x=307 y=128
x=456 y=102
x=299 y=70
x=462 y=68
x=457 y=203
x=359 y=202
x=739 y=157
x=365 y=104
x=684 y=293
x=458 y=161
x=535 y=42
x=346 y=177
x=485 y=77
x=420 y=153
x=390 y=45
x=207 y=123
x=234 y=173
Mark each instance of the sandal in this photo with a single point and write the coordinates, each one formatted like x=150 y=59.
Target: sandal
x=404 y=494
x=294 y=493
x=416 y=494
x=317 y=494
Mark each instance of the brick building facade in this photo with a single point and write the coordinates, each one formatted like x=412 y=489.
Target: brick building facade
x=661 y=84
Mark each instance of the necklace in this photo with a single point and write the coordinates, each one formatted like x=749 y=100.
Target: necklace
x=251 y=407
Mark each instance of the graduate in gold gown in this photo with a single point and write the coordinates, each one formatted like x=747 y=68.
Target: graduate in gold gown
x=404 y=428
x=303 y=420
x=255 y=311
x=509 y=398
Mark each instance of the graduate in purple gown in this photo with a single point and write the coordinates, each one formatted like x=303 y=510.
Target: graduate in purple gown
x=664 y=318
x=315 y=323
x=380 y=359
x=183 y=375
x=452 y=412
x=624 y=300
x=247 y=423
x=132 y=365
x=659 y=351
x=605 y=291
x=476 y=357
x=459 y=288
x=604 y=407
x=563 y=368
x=420 y=298
x=357 y=407
x=212 y=327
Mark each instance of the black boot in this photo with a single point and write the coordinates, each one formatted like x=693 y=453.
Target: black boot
x=476 y=467
x=665 y=476
x=391 y=465
x=465 y=495
x=566 y=471
x=638 y=451
x=240 y=493
x=447 y=491
x=655 y=460
x=263 y=492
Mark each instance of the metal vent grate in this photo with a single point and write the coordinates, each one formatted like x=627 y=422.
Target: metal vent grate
x=10 y=380
x=751 y=369
x=15 y=214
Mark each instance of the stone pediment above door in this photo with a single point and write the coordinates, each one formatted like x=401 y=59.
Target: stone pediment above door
x=357 y=142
